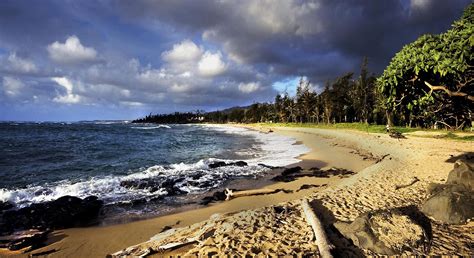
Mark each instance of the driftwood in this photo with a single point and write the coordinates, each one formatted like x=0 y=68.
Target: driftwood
x=321 y=240
x=234 y=194
x=415 y=179
x=154 y=244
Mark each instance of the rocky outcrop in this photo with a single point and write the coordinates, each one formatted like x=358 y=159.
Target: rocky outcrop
x=453 y=202
x=155 y=184
x=387 y=232
x=29 y=238
x=65 y=212
x=5 y=206
x=462 y=174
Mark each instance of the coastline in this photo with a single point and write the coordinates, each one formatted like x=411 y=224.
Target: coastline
x=371 y=188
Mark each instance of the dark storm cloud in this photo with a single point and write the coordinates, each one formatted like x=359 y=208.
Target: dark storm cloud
x=164 y=56
x=305 y=35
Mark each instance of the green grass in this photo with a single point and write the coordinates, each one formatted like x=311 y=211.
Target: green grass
x=348 y=126
x=371 y=129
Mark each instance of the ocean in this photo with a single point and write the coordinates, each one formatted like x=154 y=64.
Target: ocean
x=125 y=164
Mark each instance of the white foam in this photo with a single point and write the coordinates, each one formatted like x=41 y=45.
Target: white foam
x=151 y=127
x=271 y=149
x=275 y=149
x=109 y=189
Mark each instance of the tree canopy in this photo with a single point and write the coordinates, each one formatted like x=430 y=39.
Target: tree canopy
x=431 y=80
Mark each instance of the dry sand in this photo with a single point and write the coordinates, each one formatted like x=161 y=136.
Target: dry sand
x=382 y=163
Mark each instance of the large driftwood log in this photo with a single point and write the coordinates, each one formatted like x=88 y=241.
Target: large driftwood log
x=321 y=240
x=159 y=243
x=234 y=194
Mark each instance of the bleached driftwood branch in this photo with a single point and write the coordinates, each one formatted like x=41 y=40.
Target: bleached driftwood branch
x=154 y=244
x=234 y=194
x=321 y=240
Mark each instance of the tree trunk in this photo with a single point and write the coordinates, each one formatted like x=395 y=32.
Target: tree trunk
x=388 y=114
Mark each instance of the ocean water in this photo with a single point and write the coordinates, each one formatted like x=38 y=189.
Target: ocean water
x=41 y=162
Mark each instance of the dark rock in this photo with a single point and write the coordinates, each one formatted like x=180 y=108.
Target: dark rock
x=387 y=232
x=463 y=174
x=333 y=172
x=5 y=206
x=65 y=212
x=28 y=238
x=292 y=174
x=218 y=164
x=266 y=166
x=281 y=178
x=292 y=170
x=155 y=184
x=170 y=186
x=217 y=196
x=450 y=203
x=453 y=202
x=240 y=163
x=197 y=176
x=307 y=186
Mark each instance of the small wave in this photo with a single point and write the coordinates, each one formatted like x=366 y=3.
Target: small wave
x=274 y=149
x=151 y=127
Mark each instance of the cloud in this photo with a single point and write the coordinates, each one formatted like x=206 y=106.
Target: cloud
x=185 y=51
x=21 y=65
x=211 y=64
x=419 y=4
x=69 y=97
x=12 y=86
x=157 y=56
x=71 y=51
x=249 y=87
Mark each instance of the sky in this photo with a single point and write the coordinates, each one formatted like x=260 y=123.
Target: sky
x=110 y=59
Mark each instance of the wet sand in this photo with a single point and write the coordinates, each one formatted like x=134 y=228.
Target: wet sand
x=382 y=163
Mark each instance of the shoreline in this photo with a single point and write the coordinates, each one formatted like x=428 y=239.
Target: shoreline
x=369 y=189
x=69 y=238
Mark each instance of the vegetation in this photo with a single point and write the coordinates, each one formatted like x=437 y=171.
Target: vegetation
x=428 y=84
x=430 y=81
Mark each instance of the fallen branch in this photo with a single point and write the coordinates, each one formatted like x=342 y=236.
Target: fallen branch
x=234 y=194
x=448 y=91
x=321 y=239
x=154 y=244
x=415 y=179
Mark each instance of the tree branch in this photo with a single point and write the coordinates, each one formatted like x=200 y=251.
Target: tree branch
x=449 y=92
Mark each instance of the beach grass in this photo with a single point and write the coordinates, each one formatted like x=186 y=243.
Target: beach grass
x=372 y=128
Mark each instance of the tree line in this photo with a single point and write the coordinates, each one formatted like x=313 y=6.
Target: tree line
x=346 y=99
x=428 y=84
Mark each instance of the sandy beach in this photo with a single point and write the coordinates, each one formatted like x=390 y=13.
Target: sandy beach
x=273 y=223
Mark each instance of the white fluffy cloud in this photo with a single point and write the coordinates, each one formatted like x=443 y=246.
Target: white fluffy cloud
x=185 y=51
x=69 y=97
x=211 y=64
x=21 y=65
x=249 y=87
x=12 y=86
x=71 y=51
x=419 y=4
